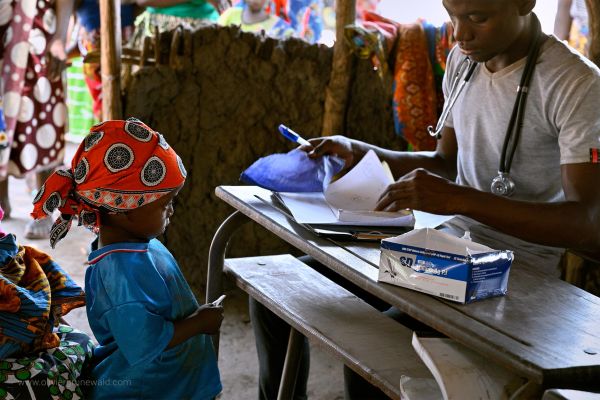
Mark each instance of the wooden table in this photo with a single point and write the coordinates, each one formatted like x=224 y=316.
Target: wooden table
x=544 y=329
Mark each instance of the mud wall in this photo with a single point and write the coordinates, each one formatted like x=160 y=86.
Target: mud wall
x=220 y=110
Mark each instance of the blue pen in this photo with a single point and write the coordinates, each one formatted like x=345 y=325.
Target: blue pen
x=293 y=136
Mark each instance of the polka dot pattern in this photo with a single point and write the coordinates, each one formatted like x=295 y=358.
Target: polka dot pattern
x=26 y=111
x=37 y=40
x=35 y=117
x=18 y=54
x=46 y=136
x=29 y=156
x=42 y=90
x=6 y=12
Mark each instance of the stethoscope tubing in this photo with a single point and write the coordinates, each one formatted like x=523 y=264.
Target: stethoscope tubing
x=515 y=124
x=458 y=84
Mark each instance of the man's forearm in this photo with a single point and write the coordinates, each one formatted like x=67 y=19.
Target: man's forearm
x=563 y=224
x=402 y=162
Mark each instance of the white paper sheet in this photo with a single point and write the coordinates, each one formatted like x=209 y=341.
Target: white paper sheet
x=360 y=188
x=312 y=208
x=428 y=220
x=351 y=199
x=309 y=208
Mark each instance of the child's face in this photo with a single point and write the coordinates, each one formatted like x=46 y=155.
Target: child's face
x=256 y=5
x=485 y=29
x=151 y=220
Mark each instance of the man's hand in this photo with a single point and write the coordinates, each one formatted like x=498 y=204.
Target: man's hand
x=332 y=145
x=424 y=191
x=56 y=58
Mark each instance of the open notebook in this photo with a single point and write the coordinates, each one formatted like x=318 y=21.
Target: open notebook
x=349 y=200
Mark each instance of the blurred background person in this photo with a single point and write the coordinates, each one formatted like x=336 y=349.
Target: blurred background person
x=255 y=16
x=33 y=93
x=166 y=15
x=88 y=39
x=572 y=24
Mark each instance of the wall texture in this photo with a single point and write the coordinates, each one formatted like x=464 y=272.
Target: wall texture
x=220 y=110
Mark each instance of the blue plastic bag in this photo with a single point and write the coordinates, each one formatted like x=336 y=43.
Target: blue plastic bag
x=292 y=172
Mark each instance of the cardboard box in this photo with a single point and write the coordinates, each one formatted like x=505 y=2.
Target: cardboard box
x=443 y=265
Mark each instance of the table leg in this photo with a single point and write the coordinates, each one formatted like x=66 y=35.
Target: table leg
x=216 y=259
x=291 y=365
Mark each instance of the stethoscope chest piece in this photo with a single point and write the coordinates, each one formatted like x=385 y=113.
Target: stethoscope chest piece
x=503 y=185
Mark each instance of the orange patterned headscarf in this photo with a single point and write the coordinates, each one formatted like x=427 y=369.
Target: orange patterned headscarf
x=119 y=166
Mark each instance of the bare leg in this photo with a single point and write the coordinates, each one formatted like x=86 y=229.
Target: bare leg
x=4 y=200
x=39 y=229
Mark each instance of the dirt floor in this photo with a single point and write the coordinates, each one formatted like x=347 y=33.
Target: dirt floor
x=237 y=356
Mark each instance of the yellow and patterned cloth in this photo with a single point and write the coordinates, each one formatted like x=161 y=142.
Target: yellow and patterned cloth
x=34 y=293
x=580 y=30
x=416 y=56
x=52 y=374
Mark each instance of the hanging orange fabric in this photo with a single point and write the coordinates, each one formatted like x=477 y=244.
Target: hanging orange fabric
x=414 y=94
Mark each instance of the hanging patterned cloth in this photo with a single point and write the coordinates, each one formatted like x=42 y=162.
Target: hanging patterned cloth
x=416 y=56
x=34 y=293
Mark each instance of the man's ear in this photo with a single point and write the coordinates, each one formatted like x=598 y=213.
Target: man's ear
x=525 y=6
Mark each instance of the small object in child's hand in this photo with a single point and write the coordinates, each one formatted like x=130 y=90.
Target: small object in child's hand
x=218 y=301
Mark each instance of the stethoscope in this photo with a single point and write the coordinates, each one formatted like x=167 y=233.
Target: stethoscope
x=502 y=184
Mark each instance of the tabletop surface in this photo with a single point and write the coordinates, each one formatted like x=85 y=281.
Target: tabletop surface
x=545 y=329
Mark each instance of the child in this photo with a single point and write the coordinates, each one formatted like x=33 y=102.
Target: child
x=150 y=329
x=252 y=16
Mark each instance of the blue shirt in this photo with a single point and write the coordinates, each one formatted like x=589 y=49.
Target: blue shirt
x=134 y=292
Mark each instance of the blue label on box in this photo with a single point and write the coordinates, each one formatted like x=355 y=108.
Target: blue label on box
x=484 y=274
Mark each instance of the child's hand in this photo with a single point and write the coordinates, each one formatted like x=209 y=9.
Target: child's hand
x=205 y=320
x=209 y=317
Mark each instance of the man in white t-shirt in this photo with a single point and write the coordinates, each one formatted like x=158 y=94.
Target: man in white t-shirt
x=556 y=201
x=556 y=198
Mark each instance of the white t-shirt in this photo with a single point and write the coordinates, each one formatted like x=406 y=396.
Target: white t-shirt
x=561 y=123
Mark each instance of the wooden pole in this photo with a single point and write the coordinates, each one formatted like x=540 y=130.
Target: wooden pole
x=336 y=95
x=110 y=58
x=593 y=7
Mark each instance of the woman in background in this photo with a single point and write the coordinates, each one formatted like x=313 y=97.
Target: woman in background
x=167 y=15
x=88 y=14
x=572 y=24
x=253 y=16
x=33 y=54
